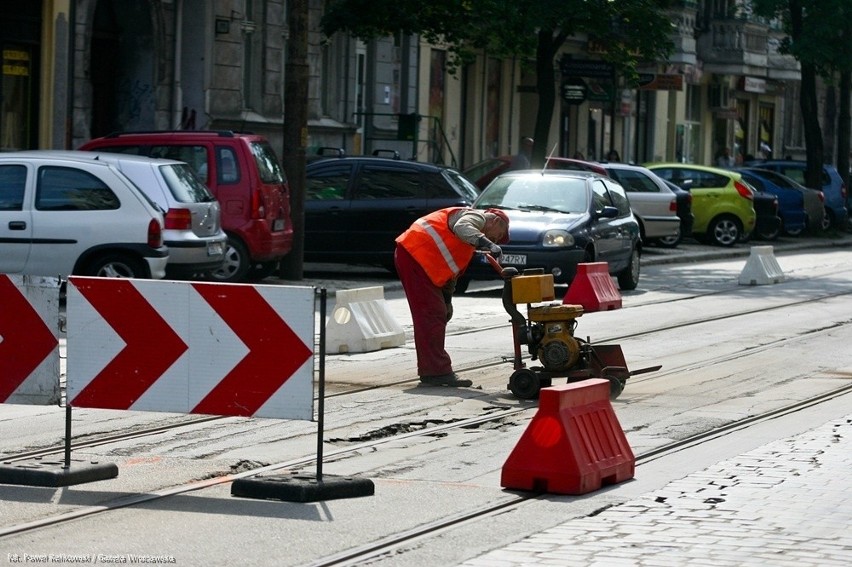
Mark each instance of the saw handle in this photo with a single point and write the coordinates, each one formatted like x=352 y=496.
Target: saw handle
x=493 y=261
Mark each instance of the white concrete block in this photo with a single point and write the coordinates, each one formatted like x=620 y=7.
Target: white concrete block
x=361 y=322
x=761 y=267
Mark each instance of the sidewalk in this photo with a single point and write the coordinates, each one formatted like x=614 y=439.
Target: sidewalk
x=786 y=503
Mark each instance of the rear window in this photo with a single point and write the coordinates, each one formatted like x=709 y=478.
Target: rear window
x=268 y=167
x=67 y=189
x=183 y=184
x=377 y=182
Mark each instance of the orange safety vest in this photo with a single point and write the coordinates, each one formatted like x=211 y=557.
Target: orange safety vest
x=441 y=253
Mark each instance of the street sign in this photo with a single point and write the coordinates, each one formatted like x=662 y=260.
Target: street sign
x=190 y=347
x=574 y=90
x=588 y=68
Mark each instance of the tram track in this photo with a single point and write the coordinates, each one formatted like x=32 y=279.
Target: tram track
x=390 y=543
x=193 y=420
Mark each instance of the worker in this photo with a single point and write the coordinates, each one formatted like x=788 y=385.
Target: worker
x=429 y=258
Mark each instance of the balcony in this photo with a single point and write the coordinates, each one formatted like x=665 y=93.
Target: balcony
x=735 y=47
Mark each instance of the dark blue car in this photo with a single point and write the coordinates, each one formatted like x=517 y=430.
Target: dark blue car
x=791 y=206
x=833 y=187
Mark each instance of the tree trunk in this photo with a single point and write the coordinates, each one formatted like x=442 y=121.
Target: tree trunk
x=546 y=87
x=813 y=132
x=296 y=132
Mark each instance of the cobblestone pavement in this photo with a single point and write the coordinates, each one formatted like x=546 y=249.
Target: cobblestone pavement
x=785 y=503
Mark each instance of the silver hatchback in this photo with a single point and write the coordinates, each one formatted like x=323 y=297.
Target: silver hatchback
x=193 y=227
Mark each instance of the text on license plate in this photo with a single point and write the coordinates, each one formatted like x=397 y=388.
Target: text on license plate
x=514 y=259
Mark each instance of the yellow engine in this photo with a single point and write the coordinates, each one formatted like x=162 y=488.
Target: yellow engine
x=550 y=335
x=549 y=329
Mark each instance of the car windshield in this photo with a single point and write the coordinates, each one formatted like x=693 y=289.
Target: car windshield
x=536 y=193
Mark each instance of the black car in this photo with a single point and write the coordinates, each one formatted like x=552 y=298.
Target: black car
x=355 y=207
x=767 y=224
x=684 y=212
x=558 y=219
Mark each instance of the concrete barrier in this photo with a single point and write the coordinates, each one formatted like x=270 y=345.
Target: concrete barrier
x=361 y=322
x=761 y=268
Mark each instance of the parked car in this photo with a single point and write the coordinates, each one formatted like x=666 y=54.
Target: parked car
x=767 y=222
x=482 y=173
x=192 y=218
x=791 y=202
x=684 y=212
x=558 y=219
x=61 y=216
x=832 y=188
x=722 y=204
x=654 y=204
x=355 y=207
x=812 y=199
x=244 y=174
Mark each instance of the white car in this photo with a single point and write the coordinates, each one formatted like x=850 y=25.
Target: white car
x=193 y=219
x=62 y=216
x=653 y=203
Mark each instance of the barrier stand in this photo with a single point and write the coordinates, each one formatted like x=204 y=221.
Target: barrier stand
x=761 y=268
x=573 y=445
x=592 y=288
x=23 y=317
x=361 y=322
x=298 y=487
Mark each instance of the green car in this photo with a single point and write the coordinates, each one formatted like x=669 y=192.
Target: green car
x=723 y=204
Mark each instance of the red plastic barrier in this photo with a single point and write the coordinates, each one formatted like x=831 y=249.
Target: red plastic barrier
x=592 y=288
x=573 y=445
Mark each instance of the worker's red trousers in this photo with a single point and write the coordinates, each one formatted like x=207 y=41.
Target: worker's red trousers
x=428 y=313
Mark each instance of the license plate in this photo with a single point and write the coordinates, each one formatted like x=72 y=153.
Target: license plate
x=278 y=225
x=215 y=249
x=514 y=259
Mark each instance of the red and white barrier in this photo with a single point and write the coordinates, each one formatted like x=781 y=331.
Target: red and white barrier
x=191 y=347
x=29 y=348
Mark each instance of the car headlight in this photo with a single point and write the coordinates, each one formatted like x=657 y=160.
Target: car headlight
x=557 y=239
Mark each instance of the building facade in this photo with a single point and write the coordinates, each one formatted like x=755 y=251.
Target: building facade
x=77 y=69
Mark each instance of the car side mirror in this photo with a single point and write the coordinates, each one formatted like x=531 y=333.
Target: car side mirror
x=607 y=213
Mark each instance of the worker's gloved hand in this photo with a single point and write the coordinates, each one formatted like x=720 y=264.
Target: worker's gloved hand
x=490 y=247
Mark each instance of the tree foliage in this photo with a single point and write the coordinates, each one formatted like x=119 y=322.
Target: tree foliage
x=819 y=36
x=535 y=31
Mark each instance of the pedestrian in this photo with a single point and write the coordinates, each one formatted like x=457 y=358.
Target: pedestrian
x=429 y=257
x=522 y=158
x=613 y=156
x=724 y=159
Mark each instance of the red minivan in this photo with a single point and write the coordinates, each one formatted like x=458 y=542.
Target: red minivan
x=246 y=178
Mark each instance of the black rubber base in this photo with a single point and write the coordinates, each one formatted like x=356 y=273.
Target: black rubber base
x=301 y=488
x=54 y=474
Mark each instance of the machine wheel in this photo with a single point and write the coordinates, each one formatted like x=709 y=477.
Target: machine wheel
x=670 y=241
x=525 y=384
x=616 y=386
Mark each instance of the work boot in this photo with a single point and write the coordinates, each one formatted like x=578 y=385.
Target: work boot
x=446 y=380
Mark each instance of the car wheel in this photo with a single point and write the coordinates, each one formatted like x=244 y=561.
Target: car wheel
x=628 y=278
x=235 y=266
x=670 y=241
x=724 y=231
x=769 y=234
x=826 y=220
x=261 y=271
x=118 y=266
x=794 y=231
